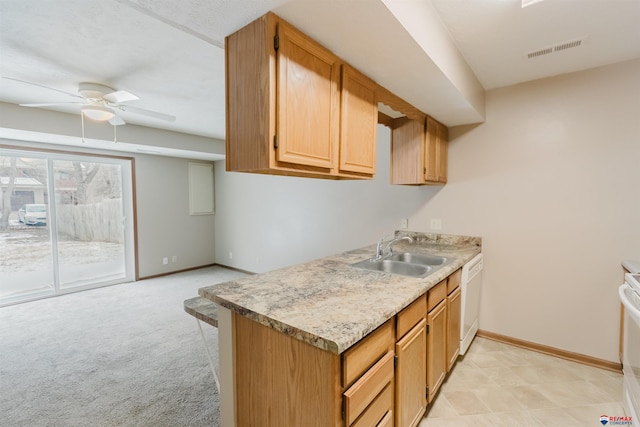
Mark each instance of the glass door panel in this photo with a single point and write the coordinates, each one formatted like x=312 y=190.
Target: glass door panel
x=90 y=222
x=26 y=255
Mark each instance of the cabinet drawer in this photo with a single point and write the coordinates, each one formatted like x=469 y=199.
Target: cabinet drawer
x=454 y=281
x=368 y=351
x=387 y=421
x=365 y=390
x=381 y=406
x=410 y=316
x=437 y=294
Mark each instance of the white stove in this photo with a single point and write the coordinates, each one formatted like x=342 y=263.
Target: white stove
x=629 y=294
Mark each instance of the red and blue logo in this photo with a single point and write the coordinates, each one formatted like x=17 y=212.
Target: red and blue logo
x=616 y=421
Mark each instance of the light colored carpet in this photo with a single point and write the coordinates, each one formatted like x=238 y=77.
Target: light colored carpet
x=125 y=355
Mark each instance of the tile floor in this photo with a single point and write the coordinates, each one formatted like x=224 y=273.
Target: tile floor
x=496 y=384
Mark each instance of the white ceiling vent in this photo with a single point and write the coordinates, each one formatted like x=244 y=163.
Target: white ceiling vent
x=557 y=48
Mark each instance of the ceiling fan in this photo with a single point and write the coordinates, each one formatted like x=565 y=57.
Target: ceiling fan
x=100 y=103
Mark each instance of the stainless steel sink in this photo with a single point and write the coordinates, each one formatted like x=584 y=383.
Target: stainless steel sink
x=405 y=264
x=421 y=259
x=395 y=267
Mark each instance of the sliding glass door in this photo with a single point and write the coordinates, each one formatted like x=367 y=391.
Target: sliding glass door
x=66 y=224
x=26 y=259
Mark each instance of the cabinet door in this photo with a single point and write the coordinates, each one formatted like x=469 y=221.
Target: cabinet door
x=442 y=153
x=436 y=348
x=407 y=151
x=431 y=162
x=454 y=305
x=358 y=122
x=308 y=101
x=411 y=376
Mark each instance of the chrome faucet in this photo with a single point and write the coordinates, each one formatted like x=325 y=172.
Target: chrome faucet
x=384 y=251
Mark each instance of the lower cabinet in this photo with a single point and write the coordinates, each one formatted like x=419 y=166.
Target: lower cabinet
x=436 y=348
x=386 y=379
x=380 y=411
x=368 y=398
x=454 y=307
x=411 y=364
x=368 y=374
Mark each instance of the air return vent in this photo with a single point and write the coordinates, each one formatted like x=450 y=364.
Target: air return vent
x=556 y=48
x=540 y=52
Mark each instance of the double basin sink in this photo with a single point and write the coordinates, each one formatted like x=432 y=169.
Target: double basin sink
x=405 y=264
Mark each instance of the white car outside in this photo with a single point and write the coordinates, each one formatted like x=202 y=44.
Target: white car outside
x=33 y=214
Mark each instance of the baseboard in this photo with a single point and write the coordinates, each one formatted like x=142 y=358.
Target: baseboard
x=168 y=273
x=552 y=351
x=251 y=273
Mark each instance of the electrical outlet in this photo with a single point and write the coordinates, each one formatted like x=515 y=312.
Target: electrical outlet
x=436 y=224
x=174 y=258
x=404 y=223
x=165 y=260
x=230 y=255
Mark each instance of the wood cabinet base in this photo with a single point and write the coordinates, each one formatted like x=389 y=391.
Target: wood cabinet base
x=281 y=381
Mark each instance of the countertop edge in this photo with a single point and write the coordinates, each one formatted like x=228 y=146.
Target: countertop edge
x=278 y=325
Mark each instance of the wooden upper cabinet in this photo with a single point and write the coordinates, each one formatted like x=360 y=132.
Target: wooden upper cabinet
x=308 y=100
x=294 y=108
x=358 y=122
x=407 y=151
x=418 y=151
x=436 y=152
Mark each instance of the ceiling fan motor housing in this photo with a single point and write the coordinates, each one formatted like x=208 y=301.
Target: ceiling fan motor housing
x=93 y=90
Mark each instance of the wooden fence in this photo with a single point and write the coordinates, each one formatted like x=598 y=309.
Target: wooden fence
x=98 y=222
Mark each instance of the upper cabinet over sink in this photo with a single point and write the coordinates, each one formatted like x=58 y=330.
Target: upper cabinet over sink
x=418 y=142
x=294 y=108
x=418 y=151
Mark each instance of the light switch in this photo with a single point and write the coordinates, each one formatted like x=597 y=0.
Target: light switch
x=436 y=224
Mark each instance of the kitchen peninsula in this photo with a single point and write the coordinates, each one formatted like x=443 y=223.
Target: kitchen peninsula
x=315 y=343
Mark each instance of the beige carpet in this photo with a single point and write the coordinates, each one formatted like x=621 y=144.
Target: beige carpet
x=125 y=355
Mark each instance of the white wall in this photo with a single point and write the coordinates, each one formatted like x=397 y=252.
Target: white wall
x=165 y=227
x=269 y=222
x=551 y=182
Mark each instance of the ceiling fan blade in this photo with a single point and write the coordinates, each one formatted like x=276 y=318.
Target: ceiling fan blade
x=120 y=96
x=117 y=121
x=149 y=113
x=75 y=95
x=50 y=104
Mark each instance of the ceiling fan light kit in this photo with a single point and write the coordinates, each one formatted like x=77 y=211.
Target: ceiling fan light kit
x=101 y=114
x=98 y=112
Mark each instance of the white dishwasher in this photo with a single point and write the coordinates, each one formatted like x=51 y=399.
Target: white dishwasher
x=471 y=284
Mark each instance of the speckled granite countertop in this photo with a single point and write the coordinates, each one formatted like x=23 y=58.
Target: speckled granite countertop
x=332 y=305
